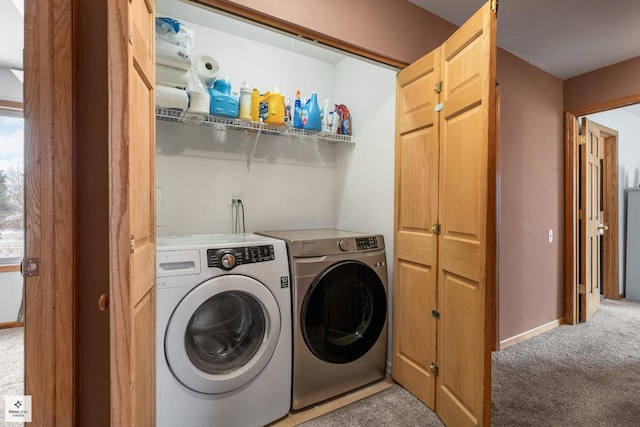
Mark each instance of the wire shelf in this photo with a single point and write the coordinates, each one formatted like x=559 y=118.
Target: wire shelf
x=224 y=123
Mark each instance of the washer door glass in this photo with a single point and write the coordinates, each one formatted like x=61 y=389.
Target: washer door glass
x=344 y=312
x=225 y=332
x=222 y=334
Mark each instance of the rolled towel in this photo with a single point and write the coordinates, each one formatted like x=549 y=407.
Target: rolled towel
x=171 y=76
x=173 y=56
x=170 y=97
x=199 y=102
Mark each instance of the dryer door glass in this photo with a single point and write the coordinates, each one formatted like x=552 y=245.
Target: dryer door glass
x=344 y=312
x=225 y=332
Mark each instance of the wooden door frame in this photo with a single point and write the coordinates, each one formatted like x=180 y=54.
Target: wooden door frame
x=49 y=210
x=611 y=280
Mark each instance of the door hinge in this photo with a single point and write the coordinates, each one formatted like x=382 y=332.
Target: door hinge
x=582 y=140
x=435 y=369
x=438 y=87
x=494 y=6
x=30 y=267
x=582 y=289
x=435 y=313
x=436 y=228
x=132 y=244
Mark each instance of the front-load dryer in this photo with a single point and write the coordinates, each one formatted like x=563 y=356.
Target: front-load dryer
x=339 y=291
x=223 y=317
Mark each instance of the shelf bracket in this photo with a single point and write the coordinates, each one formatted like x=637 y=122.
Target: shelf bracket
x=253 y=150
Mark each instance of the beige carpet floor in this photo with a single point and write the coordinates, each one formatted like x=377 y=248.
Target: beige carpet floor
x=11 y=367
x=583 y=375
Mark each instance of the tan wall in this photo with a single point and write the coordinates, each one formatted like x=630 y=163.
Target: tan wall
x=396 y=29
x=531 y=197
x=604 y=85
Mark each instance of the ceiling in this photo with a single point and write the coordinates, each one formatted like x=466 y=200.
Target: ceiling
x=566 y=38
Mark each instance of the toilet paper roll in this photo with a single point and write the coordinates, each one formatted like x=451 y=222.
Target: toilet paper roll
x=171 y=76
x=199 y=102
x=170 y=97
x=206 y=68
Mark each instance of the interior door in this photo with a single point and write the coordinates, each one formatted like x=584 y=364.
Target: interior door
x=416 y=211
x=591 y=226
x=467 y=215
x=132 y=287
x=445 y=183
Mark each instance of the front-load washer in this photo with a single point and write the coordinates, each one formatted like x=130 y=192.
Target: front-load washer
x=223 y=353
x=339 y=302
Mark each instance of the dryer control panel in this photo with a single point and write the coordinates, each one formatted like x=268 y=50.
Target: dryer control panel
x=366 y=243
x=229 y=258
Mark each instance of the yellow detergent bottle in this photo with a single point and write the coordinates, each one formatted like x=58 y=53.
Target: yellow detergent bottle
x=255 y=105
x=272 y=108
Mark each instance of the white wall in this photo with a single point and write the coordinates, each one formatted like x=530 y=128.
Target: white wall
x=365 y=178
x=10 y=86
x=291 y=183
x=10 y=296
x=628 y=127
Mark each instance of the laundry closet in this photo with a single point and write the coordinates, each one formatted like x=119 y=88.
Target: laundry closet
x=284 y=181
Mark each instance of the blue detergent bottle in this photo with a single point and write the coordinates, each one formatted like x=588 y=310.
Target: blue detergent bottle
x=223 y=103
x=297 y=112
x=311 y=114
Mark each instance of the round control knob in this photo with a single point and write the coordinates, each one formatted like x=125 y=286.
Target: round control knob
x=343 y=245
x=227 y=261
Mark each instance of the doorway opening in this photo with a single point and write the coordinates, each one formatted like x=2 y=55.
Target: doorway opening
x=11 y=248
x=615 y=176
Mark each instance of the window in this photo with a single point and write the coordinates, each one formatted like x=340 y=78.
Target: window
x=11 y=186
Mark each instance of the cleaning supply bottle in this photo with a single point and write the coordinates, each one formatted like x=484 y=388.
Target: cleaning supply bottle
x=244 y=110
x=223 y=103
x=255 y=105
x=311 y=114
x=297 y=112
x=324 y=115
x=287 y=112
x=272 y=107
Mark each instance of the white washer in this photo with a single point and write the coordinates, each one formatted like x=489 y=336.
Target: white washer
x=223 y=333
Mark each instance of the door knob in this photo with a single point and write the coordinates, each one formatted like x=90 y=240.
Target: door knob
x=602 y=228
x=103 y=302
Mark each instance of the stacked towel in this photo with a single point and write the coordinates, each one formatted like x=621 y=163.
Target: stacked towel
x=173 y=63
x=173 y=43
x=179 y=79
x=173 y=56
x=172 y=77
x=171 y=98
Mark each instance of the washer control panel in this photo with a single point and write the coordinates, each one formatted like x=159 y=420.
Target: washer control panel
x=229 y=258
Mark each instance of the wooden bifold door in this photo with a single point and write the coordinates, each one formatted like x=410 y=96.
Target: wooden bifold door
x=444 y=266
